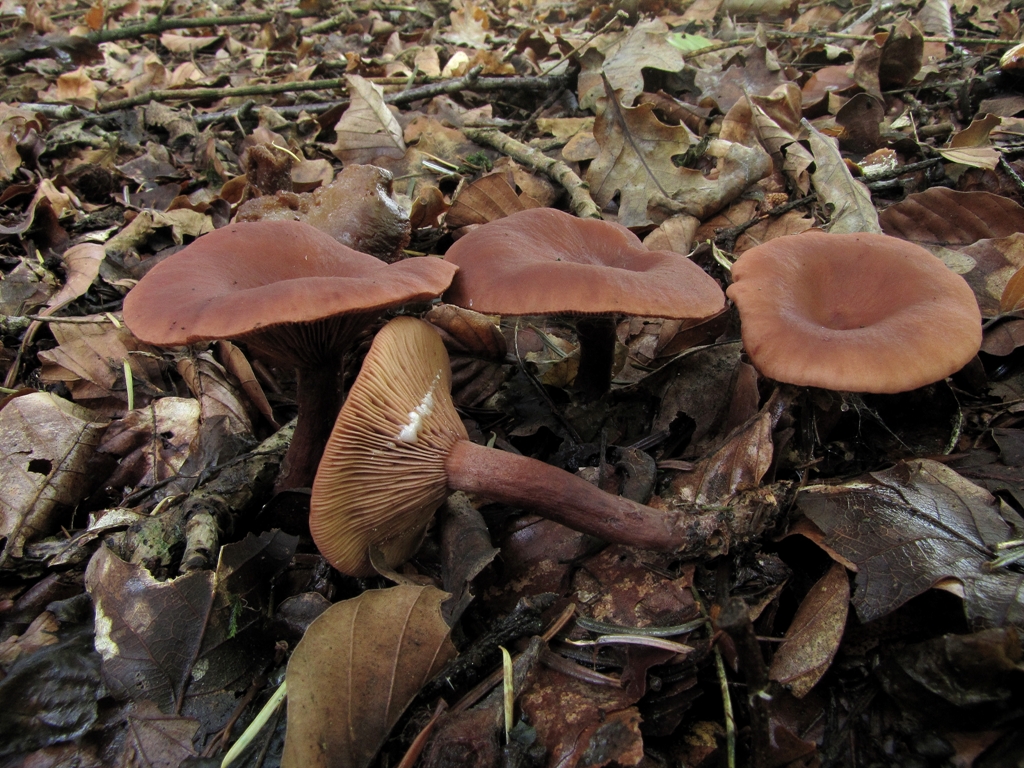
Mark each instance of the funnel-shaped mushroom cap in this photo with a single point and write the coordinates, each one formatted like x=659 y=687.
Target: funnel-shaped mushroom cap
x=258 y=280
x=858 y=312
x=543 y=261
x=383 y=471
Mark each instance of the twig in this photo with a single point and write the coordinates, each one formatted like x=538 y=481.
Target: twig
x=155 y=27
x=726 y=238
x=579 y=191
x=471 y=81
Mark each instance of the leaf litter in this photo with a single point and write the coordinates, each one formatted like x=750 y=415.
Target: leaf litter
x=153 y=590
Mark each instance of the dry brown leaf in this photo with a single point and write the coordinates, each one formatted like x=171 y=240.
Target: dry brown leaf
x=46 y=444
x=486 y=199
x=476 y=349
x=186 y=43
x=81 y=266
x=739 y=465
x=645 y=46
x=852 y=209
x=1013 y=294
x=90 y=360
x=368 y=129
x=901 y=55
x=181 y=222
x=941 y=216
x=355 y=671
x=469 y=25
x=16 y=125
x=76 y=88
x=237 y=364
x=814 y=636
x=635 y=163
x=217 y=396
x=916 y=526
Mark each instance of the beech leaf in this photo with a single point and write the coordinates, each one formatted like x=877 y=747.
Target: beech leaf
x=813 y=638
x=368 y=129
x=355 y=671
x=917 y=526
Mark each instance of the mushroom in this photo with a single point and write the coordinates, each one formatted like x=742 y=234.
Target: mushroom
x=398 y=449
x=543 y=261
x=857 y=312
x=294 y=295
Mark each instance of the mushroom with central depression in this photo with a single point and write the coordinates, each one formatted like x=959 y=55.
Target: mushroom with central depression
x=294 y=295
x=857 y=312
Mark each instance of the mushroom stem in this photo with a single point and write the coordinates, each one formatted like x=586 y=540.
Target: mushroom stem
x=597 y=355
x=563 y=497
x=319 y=397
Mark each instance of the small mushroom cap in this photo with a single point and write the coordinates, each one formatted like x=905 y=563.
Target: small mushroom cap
x=383 y=473
x=857 y=312
x=247 y=277
x=544 y=261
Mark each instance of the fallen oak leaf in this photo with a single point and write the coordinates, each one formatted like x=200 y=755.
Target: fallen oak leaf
x=635 y=163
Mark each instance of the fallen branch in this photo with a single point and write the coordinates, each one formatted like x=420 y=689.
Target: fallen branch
x=155 y=26
x=580 y=201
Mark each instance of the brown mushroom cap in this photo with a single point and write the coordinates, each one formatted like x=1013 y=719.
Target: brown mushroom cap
x=293 y=294
x=857 y=312
x=257 y=278
x=544 y=261
x=384 y=464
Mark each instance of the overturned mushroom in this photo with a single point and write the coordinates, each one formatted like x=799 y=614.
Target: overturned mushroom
x=542 y=261
x=398 y=449
x=857 y=312
x=294 y=295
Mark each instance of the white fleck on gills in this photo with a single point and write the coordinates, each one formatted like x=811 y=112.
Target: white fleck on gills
x=410 y=433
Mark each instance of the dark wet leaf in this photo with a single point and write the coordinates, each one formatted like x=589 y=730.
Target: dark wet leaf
x=156 y=740
x=917 y=526
x=50 y=696
x=188 y=644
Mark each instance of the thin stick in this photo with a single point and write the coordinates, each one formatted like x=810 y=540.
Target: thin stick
x=579 y=191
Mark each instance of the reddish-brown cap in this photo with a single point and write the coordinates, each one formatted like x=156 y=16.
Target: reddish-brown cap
x=383 y=473
x=245 y=279
x=857 y=312
x=544 y=261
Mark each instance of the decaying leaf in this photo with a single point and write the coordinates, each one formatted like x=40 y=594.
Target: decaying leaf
x=813 y=638
x=192 y=643
x=916 y=526
x=46 y=444
x=368 y=129
x=157 y=739
x=356 y=670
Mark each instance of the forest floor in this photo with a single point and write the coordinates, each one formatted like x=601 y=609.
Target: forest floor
x=856 y=595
